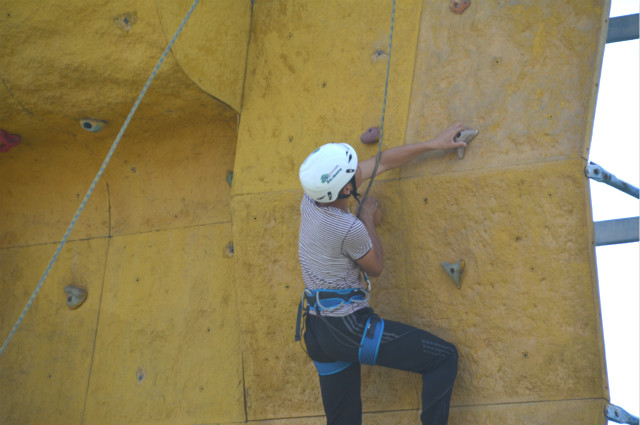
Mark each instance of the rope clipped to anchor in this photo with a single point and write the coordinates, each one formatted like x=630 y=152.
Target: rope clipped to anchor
x=97 y=177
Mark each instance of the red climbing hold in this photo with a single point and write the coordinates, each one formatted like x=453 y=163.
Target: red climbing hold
x=459 y=6
x=8 y=140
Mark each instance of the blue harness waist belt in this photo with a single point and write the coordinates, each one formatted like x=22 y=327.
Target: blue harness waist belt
x=327 y=300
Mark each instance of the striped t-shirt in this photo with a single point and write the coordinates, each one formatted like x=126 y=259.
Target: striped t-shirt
x=330 y=242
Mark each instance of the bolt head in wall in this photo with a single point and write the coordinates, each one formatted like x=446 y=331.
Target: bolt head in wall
x=92 y=125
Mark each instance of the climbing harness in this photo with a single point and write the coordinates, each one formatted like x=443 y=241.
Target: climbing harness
x=325 y=369
x=371 y=337
x=327 y=300
x=367 y=351
x=97 y=177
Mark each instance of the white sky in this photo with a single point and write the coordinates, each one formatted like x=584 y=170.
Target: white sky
x=614 y=146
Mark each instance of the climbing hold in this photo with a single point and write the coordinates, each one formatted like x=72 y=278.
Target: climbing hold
x=75 y=296
x=8 y=140
x=230 y=178
x=372 y=135
x=465 y=136
x=454 y=270
x=92 y=125
x=459 y=6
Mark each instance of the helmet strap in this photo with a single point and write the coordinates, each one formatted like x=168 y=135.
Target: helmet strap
x=354 y=192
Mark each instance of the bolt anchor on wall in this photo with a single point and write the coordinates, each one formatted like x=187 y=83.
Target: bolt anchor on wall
x=75 y=296
x=454 y=270
x=92 y=125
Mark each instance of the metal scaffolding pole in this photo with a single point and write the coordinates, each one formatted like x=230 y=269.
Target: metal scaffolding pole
x=611 y=232
x=623 y=28
x=597 y=173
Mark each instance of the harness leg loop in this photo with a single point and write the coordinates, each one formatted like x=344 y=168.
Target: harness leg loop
x=371 y=337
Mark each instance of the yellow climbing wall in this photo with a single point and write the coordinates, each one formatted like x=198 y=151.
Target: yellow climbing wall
x=193 y=284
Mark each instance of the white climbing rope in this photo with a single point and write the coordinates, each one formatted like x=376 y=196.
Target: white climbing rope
x=95 y=180
x=384 y=108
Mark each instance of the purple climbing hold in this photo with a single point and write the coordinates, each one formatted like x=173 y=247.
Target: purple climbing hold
x=372 y=135
x=8 y=140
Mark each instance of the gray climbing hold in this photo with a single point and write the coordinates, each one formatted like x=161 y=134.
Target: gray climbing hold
x=465 y=136
x=75 y=296
x=454 y=270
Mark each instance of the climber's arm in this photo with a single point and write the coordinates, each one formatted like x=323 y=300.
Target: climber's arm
x=400 y=155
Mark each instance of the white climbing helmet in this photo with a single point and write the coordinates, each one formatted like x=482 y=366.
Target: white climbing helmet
x=327 y=170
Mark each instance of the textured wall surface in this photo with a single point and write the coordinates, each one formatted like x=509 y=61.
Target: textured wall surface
x=191 y=271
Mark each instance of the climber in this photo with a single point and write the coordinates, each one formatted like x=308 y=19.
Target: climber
x=341 y=329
